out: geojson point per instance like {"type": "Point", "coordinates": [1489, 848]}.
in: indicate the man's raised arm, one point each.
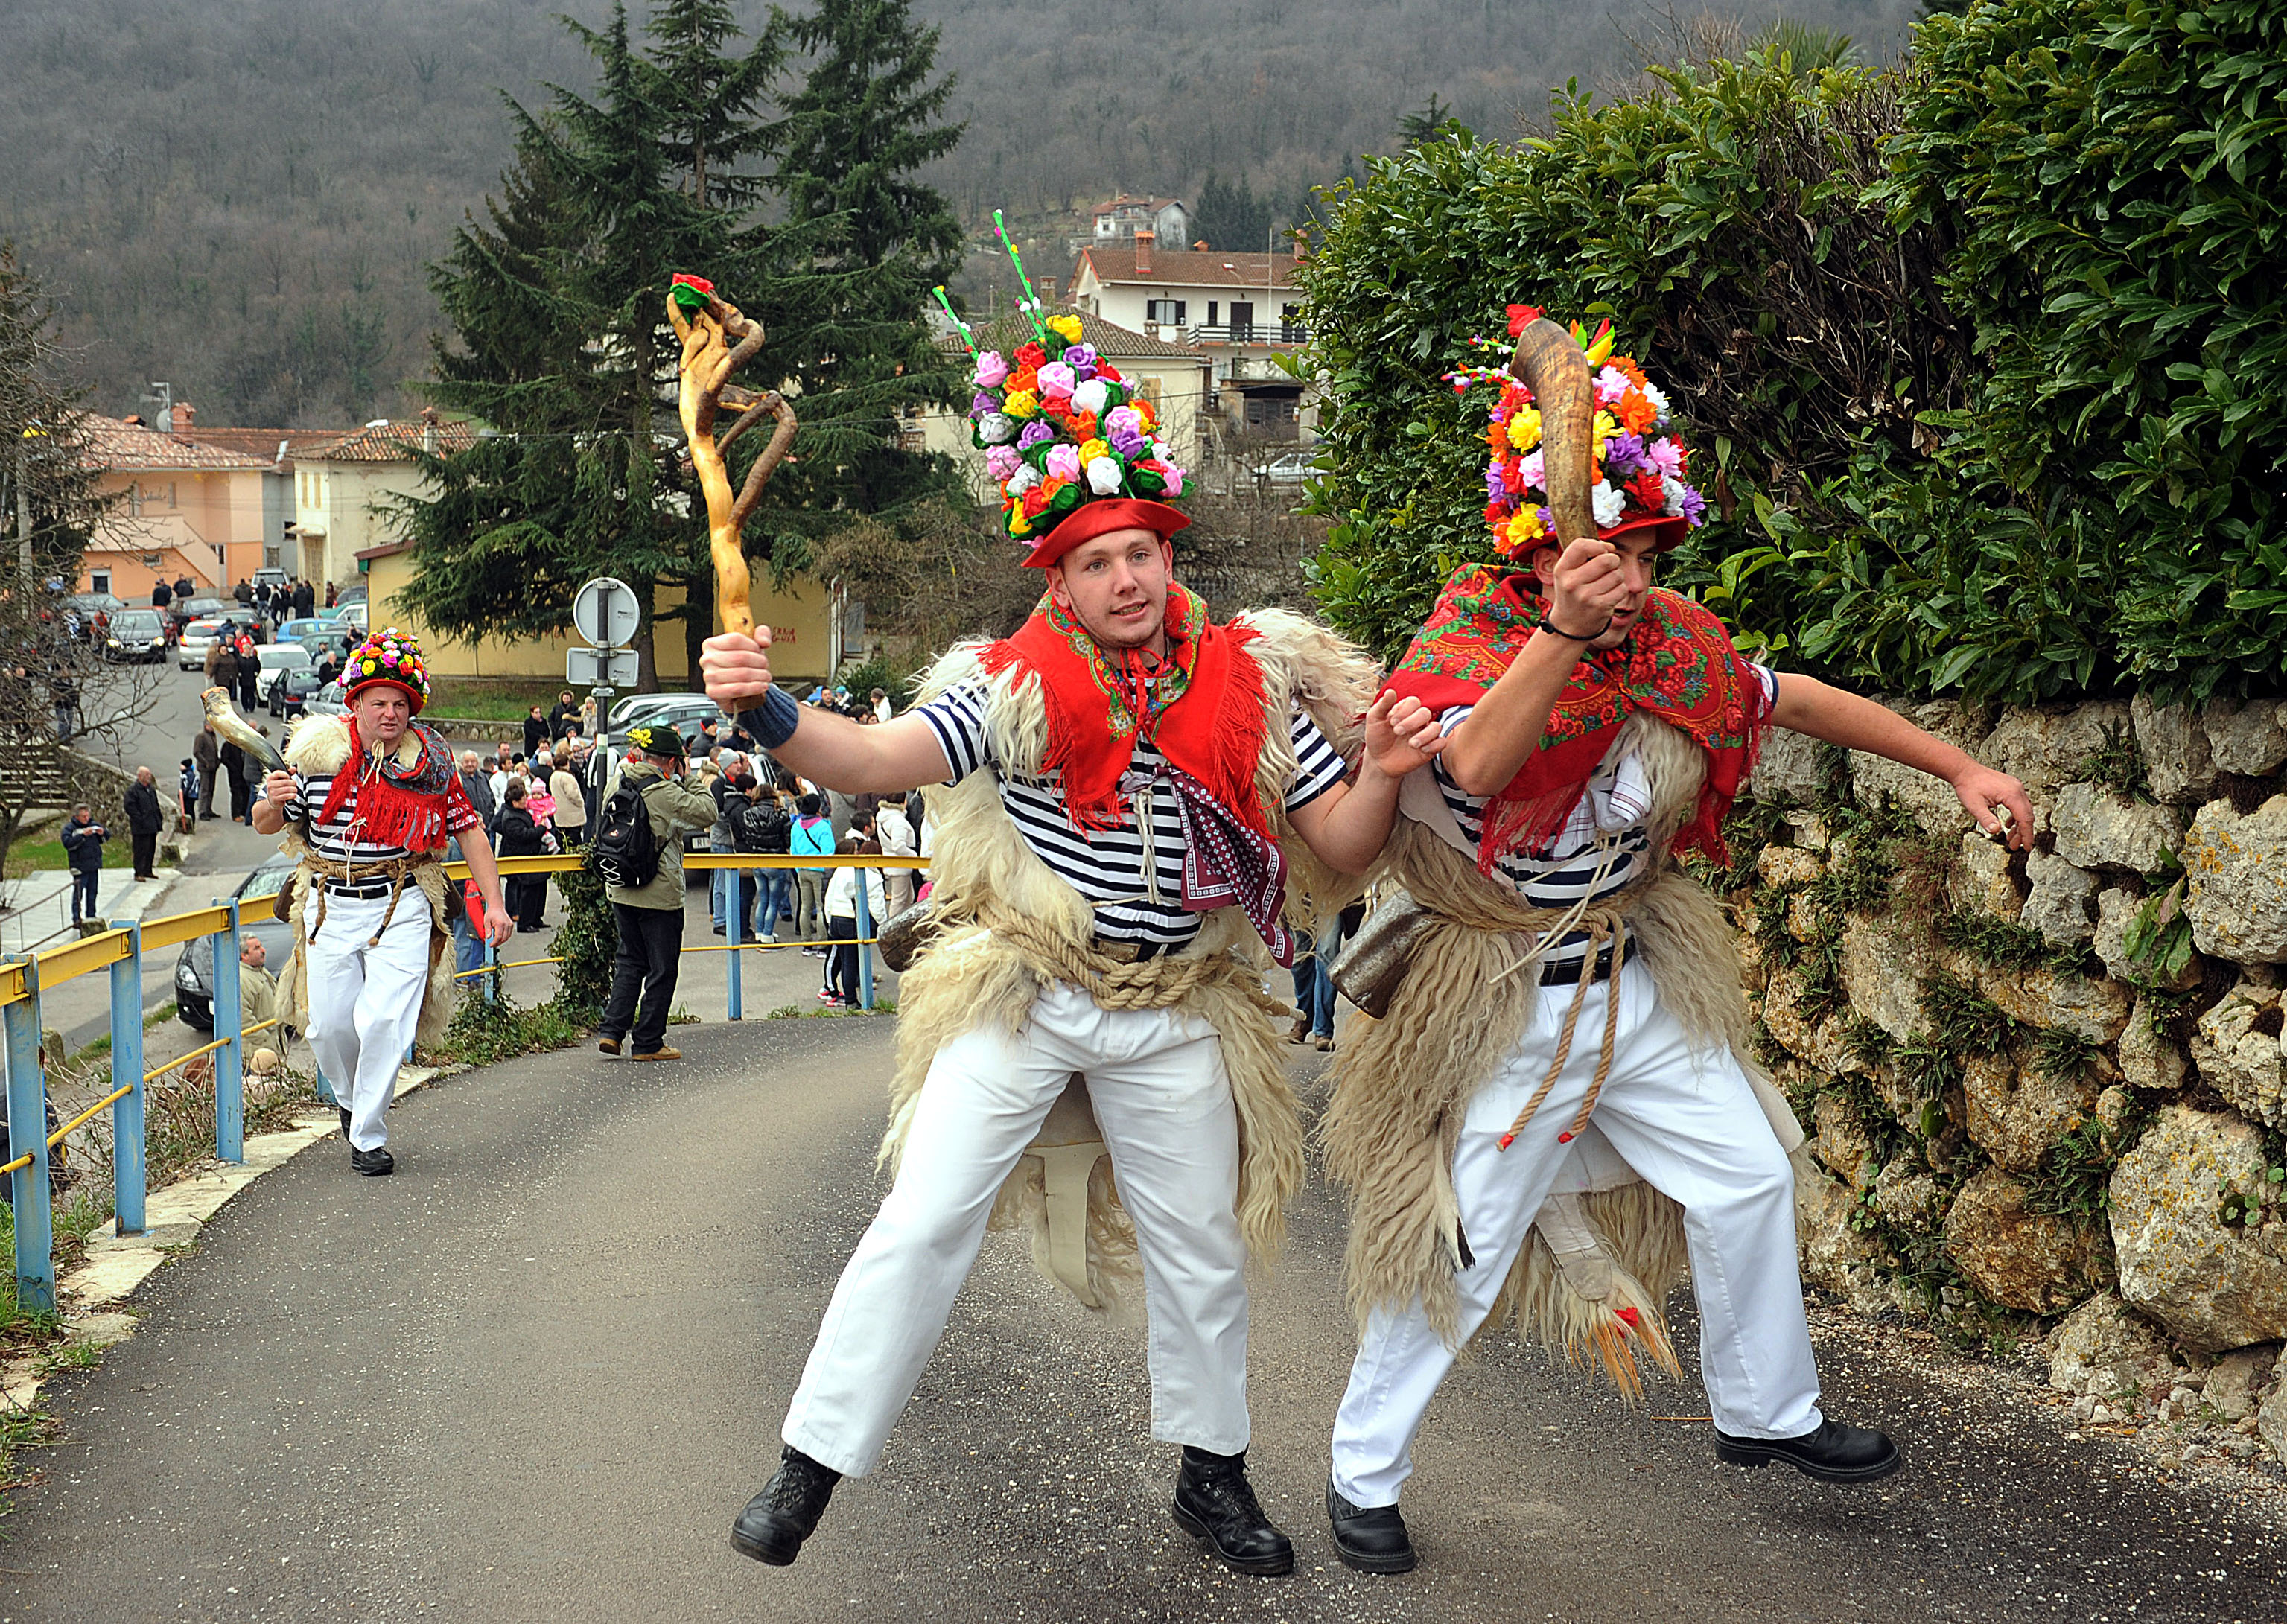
{"type": "Point", "coordinates": [823, 746]}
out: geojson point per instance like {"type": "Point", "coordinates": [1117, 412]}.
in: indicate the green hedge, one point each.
{"type": "Point", "coordinates": [1975, 357]}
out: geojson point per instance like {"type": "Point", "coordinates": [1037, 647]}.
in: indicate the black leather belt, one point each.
{"type": "Point", "coordinates": [1128, 952]}
{"type": "Point", "coordinates": [1568, 973]}
{"type": "Point", "coordinates": [366, 893]}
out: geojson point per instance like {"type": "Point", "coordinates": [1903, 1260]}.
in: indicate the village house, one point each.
{"type": "Point", "coordinates": [1117, 222]}
{"type": "Point", "coordinates": [180, 507]}
{"type": "Point", "coordinates": [346, 488]}
{"type": "Point", "coordinates": [1241, 311]}
{"type": "Point", "coordinates": [1172, 376]}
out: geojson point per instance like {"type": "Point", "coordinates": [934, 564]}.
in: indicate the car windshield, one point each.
{"type": "Point", "coordinates": [266, 881]}
{"type": "Point", "coordinates": [137, 623]}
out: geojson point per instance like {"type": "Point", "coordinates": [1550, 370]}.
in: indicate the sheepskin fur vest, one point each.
{"type": "Point", "coordinates": [319, 745]}
{"type": "Point", "coordinates": [982, 870]}
{"type": "Point", "coordinates": [1591, 1278]}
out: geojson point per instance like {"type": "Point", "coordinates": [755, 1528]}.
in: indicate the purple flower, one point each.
{"type": "Point", "coordinates": [1036, 432]}
{"type": "Point", "coordinates": [1496, 488]}
{"type": "Point", "coordinates": [1695, 508]}
{"type": "Point", "coordinates": [1081, 358]}
{"type": "Point", "coordinates": [1624, 457]}
{"type": "Point", "coordinates": [1128, 443]}
{"type": "Point", "coordinates": [1000, 461]}
{"type": "Point", "coordinates": [980, 403]}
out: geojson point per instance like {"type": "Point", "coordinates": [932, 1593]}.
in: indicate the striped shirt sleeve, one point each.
{"type": "Point", "coordinates": [1317, 767]}
{"type": "Point", "coordinates": [957, 717]}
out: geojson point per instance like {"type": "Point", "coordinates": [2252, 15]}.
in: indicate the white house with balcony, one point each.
{"type": "Point", "coordinates": [1240, 310]}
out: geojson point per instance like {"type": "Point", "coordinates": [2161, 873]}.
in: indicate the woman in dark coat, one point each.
{"type": "Point", "coordinates": [521, 836]}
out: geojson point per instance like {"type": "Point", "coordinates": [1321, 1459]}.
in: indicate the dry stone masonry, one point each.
{"type": "Point", "coordinates": [2046, 1092]}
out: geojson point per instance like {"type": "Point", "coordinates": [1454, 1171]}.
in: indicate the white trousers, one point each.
{"type": "Point", "coordinates": [1688, 1122]}
{"type": "Point", "coordinates": [1163, 1101]}
{"type": "Point", "coordinates": [366, 1002]}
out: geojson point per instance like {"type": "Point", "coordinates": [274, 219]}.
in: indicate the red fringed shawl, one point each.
{"type": "Point", "coordinates": [1678, 664]}
{"type": "Point", "coordinates": [1203, 711]}
{"type": "Point", "coordinates": [397, 806]}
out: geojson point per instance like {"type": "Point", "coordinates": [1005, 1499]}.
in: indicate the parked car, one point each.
{"type": "Point", "coordinates": [200, 635]}
{"type": "Point", "coordinates": [274, 659]}
{"type": "Point", "coordinates": [270, 574]}
{"type": "Point", "coordinates": [327, 702]}
{"type": "Point", "coordinates": [194, 968]}
{"type": "Point", "coordinates": [671, 708]}
{"type": "Point", "coordinates": [330, 639]}
{"type": "Point", "coordinates": [290, 693]}
{"type": "Point", "coordinates": [353, 593]}
{"type": "Point", "coordinates": [137, 635]}
{"type": "Point", "coordinates": [352, 615]}
{"type": "Point", "coordinates": [183, 610]}
{"type": "Point", "coordinates": [1292, 467]}
{"type": "Point", "coordinates": [88, 613]}
{"type": "Point", "coordinates": [295, 630]}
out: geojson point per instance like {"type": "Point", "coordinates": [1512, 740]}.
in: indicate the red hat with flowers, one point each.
{"type": "Point", "coordinates": [389, 656]}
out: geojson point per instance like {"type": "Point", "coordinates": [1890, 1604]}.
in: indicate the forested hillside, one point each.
{"type": "Point", "coordinates": [241, 199]}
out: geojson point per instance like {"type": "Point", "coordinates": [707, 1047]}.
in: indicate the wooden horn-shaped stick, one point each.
{"type": "Point", "coordinates": [717, 342]}
{"type": "Point", "coordinates": [1550, 362]}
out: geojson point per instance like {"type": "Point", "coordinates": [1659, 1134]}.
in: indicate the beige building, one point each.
{"type": "Point", "coordinates": [179, 508]}
{"type": "Point", "coordinates": [1172, 376]}
{"type": "Point", "coordinates": [1242, 311]}
{"type": "Point", "coordinates": [345, 488]}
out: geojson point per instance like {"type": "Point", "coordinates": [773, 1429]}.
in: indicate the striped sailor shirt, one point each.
{"type": "Point", "coordinates": [331, 840]}
{"type": "Point", "coordinates": [1609, 823]}
{"type": "Point", "coordinates": [1106, 865]}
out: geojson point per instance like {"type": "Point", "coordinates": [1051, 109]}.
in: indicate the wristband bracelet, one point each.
{"type": "Point", "coordinates": [773, 721]}
{"type": "Point", "coordinates": [1570, 637]}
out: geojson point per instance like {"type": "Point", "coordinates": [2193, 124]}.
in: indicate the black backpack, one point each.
{"type": "Point", "coordinates": [625, 853]}
{"type": "Point", "coordinates": [762, 828]}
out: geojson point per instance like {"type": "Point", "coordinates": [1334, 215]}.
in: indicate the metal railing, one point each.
{"type": "Point", "coordinates": [119, 951]}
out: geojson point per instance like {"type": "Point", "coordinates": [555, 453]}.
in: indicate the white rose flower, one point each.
{"type": "Point", "coordinates": [1090, 396]}
{"type": "Point", "coordinates": [996, 428]}
{"type": "Point", "coordinates": [1608, 503]}
{"type": "Point", "coordinates": [1673, 488]}
{"type": "Point", "coordinates": [1104, 476]}
{"type": "Point", "coordinates": [1658, 396]}
{"type": "Point", "coordinates": [1021, 481]}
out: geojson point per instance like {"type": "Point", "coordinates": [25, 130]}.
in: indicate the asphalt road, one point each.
{"type": "Point", "coordinates": [533, 1375]}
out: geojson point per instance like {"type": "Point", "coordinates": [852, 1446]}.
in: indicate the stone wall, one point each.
{"type": "Point", "coordinates": [2046, 1090]}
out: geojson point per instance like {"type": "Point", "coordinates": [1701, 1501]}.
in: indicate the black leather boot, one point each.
{"type": "Point", "coordinates": [775, 1522]}
{"type": "Point", "coordinates": [1214, 1503]}
{"type": "Point", "coordinates": [1371, 1539]}
{"type": "Point", "coordinates": [1836, 1451]}
{"type": "Point", "coordinates": [375, 1163]}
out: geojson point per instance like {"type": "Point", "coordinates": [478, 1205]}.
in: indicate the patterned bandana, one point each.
{"type": "Point", "coordinates": [1678, 664]}
{"type": "Point", "coordinates": [397, 806]}
{"type": "Point", "coordinates": [1202, 708]}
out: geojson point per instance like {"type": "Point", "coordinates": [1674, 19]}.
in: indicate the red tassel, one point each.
{"type": "Point", "coordinates": [1506, 1140]}
{"type": "Point", "coordinates": [1565, 1137]}
{"type": "Point", "coordinates": [1634, 1322]}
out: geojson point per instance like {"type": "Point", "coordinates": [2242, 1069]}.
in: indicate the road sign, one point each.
{"type": "Point", "coordinates": [595, 668]}
{"type": "Point", "coordinates": [606, 613]}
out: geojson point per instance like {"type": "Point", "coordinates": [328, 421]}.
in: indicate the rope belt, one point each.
{"type": "Point", "coordinates": [1157, 983]}
{"type": "Point", "coordinates": [351, 876]}
{"type": "Point", "coordinates": [1602, 925]}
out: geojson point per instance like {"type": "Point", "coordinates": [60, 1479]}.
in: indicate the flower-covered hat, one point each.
{"type": "Point", "coordinates": [391, 656]}
{"type": "Point", "coordinates": [1641, 459]}
{"type": "Point", "coordinates": [1060, 429]}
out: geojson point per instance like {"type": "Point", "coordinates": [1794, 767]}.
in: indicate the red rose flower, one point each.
{"type": "Point", "coordinates": [1649, 494]}
{"type": "Point", "coordinates": [1519, 315]}
{"type": "Point", "coordinates": [1035, 499]}
{"type": "Point", "coordinates": [1109, 373]}
{"type": "Point", "coordinates": [1031, 355]}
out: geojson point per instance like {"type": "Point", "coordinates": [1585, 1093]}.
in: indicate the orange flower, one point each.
{"type": "Point", "coordinates": [1626, 366]}
{"type": "Point", "coordinates": [1083, 425]}
{"type": "Point", "coordinates": [1635, 413]}
{"type": "Point", "coordinates": [1029, 378]}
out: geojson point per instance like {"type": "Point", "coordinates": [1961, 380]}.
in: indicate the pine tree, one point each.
{"type": "Point", "coordinates": [561, 347]}
{"type": "Point", "coordinates": [847, 147]}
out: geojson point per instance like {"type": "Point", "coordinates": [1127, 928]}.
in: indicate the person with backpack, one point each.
{"type": "Point", "coordinates": [764, 829]}
{"type": "Point", "coordinates": [638, 852]}
{"type": "Point", "coordinates": [812, 837]}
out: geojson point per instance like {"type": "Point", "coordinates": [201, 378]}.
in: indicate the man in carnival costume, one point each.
{"type": "Point", "coordinates": [1560, 1103]}
{"type": "Point", "coordinates": [1107, 872]}
{"type": "Point", "coordinates": [372, 797]}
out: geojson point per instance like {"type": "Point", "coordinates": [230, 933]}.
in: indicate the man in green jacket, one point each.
{"type": "Point", "coordinates": [650, 917]}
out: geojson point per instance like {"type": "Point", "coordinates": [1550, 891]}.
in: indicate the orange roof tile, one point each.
{"type": "Point", "coordinates": [390, 443]}
{"type": "Point", "coordinates": [1189, 268]}
{"type": "Point", "coordinates": [111, 443]}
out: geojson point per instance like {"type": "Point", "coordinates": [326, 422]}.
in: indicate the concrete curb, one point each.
{"type": "Point", "coordinates": [91, 1294]}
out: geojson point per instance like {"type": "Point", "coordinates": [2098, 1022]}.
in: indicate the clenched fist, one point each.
{"type": "Point", "coordinates": [1589, 586]}
{"type": "Point", "coordinates": [737, 669]}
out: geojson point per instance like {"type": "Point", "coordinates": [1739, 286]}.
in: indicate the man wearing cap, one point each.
{"type": "Point", "coordinates": [1561, 1103]}
{"type": "Point", "coordinates": [375, 799]}
{"type": "Point", "coordinates": [649, 917]}
{"type": "Point", "coordinates": [1128, 782]}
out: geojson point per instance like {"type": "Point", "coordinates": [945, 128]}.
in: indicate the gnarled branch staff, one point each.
{"type": "Point", "coordinates": [718, 340]}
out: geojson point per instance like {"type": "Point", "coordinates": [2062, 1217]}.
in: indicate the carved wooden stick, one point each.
{"type": "Point", "coordinates": [717, 342]}
{"type": "Point", "coordinates": [1550, 362]}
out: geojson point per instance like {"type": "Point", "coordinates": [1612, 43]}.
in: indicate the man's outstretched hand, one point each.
{"type": "Point", "coordinates": [737, 669]}
{"type": "Point", "coordinates": [1401, 734]}
{"type": "Point", "coordinates": [1985, 792]}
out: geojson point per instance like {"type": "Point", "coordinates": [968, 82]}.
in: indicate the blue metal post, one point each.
{"type": "Point", "coordinates": [490, 979]}
{"type": "Point", "coordinates": [127, 1170]}
{"type": "Point", "coordinates": [230, 1059]}
{"type": "Point", "coordinates": [732, 933]}
{"type": "Point", "coordinates": [325, 1090]}
{"type": "Point", "coordinates": [865, 953]}
{"type": "Point", "coordinates": [27, 1130]}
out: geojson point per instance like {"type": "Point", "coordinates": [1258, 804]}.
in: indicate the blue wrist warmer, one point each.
{"type": "Point", "coordinates": [773, 722]}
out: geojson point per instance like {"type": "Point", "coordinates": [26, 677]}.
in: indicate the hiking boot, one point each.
{"type": "Point", "coordinates": [610, 1046]}
{"type": "Point", "coordinates": [773, 1524]}
{"type": "Point", "coordinates": [375, 1163]}
{"type": "Point", "coordinates": [661, 1053]}
{"type": "Point", "coordinates": [1371, 1539]}
{"type": "Point", "coordinates": [1213, 1502]}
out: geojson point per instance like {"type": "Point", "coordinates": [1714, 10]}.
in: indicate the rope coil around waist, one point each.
{"type": "Point", "coordinates": [1157, 983]}
{"type": "Point", "coordinates": [395, 871]}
